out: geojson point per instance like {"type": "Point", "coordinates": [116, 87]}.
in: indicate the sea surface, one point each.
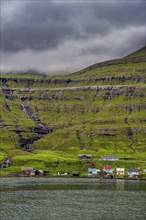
{"type": "Point", "coordinates": [72, 199]}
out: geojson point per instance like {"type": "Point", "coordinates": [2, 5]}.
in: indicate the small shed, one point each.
{"type": "Point", "coordinates": [120, 171]}
{"type": "Point", "coordinates": [84, 156]}
{"type": "Point", "coordinates": [110, 158]}
{"type": "Point", "coordinates": [133, 173]}
{"type": "Point", "coordinates": [76, 173]}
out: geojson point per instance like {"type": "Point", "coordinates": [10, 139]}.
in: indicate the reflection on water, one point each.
{"type": "Point", "coordinates": [72, 198]}
{"type": "Point", "coordinates": [120, 185]}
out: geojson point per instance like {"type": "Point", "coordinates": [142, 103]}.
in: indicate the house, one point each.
{"type": "Point", "coordinates": [110, 158]}
{"type": "Point", "coordinates": [107, 172]}
{"type": "Point", "coordinates": [133, 173]}
{"type": "Point", "coordinates": [108, 169]}
{"type": "Point", "coordinates": [120, 171]}
{"type": "Point", "coordinates": [29, 171]}
{"type": "Point", "coordinates": [92, 171]}
{"type": "Point", "coordinates": [39, 172]}
{"type": "Point", "coordinates": [84, 156]}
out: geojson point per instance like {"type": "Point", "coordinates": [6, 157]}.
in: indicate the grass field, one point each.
{"type": "Point", "coordinates": [98, 110]}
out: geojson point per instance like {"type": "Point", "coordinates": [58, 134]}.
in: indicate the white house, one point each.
{"type": "Point", "coordinates": [120, 171]}
{"type": "Point", "coordinates": [133, 173]}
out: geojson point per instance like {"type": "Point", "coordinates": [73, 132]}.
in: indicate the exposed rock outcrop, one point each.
{"type": "Point", "coordinates": [6, 163]}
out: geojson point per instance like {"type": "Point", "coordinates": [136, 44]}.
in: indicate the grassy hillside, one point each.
{"type": "Point", "coordinates": [47, 121]}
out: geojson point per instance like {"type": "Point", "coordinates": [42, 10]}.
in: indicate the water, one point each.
{"type": "Point", "coordinates": [72, 199]}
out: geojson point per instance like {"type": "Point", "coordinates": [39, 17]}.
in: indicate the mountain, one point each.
{"type": "Point", "coordinates": [138, 56]}
{"type": "Point", "coordinates": [47, 121]}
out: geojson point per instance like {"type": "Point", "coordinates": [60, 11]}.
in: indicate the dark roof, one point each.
{"type": "Point", "coordinates": [109, 157]}
{"type": "Point", "coordinates": [82, 155]}
{"type": "Point", "coordinates": [133, 170]}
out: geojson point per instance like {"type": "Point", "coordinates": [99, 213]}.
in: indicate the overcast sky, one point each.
{"type": "Point", "coordinates": [65, 36]}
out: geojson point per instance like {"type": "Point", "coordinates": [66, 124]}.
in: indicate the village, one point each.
{"type": "Point", "coordinates": [107, 171]}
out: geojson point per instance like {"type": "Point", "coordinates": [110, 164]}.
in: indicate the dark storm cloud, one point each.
{"type": "Point", "coordinates": [65, 36]}
{"type": "Point", "coordinates": [40, 26]}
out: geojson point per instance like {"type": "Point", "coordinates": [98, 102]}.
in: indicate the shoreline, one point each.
{"type": "Point", "coordinates": [72, 177]}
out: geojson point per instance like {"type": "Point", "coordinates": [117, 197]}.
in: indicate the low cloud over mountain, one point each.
{"type": "Point", "coordinates": [64, 36]}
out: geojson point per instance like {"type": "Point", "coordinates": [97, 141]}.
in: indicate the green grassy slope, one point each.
{"type": "Point", "coordinates": [99, 110]}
